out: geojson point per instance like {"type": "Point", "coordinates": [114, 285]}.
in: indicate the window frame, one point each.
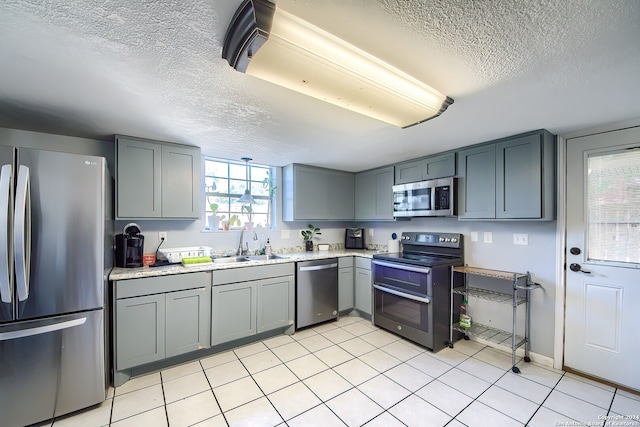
{"type": "Point", "coordinates": [267, 219]}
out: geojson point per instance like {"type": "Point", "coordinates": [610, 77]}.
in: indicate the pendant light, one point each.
{"type": "Point", "coordinates": [246, 198]}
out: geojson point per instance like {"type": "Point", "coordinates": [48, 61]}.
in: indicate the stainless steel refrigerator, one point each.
{"type": "Point", "coordinates": [53, 269]}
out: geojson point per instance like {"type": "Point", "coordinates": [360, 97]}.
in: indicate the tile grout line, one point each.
{"type": "Point", "coordinates": [213, 393]}
{"type": "Point", "coordinates": [164, 398]}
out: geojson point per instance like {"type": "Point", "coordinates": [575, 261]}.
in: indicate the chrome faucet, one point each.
{"type": "Point", "coordinates": [240, 249]}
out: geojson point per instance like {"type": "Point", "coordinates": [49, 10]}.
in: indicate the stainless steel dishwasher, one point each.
{"type": "Point", "coordinates": [316, 291]}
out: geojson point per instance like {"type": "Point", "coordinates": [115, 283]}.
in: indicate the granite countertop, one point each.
{"type": "Point", "coordinates": [119, 273]}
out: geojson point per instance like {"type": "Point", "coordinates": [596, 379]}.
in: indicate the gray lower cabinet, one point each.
{"type": "Point", "coordinates": [345, 284]}
{"type": "Point", "coordinates": [160, 317]}
{"type": "Point", "coordinates": [363, 285]}
{"type": "Point", "coordinates": [312, 193]}
{"type": "Point", "coordinates": [233, 311]}
{"type": "Point", "coordinates": [188, 318]}
{"type": "Point", "coordinates": [140, 330]}
{"type": "Point", "coordinates": [508, 179]}
{"type": "Point", "coordinates": [156, 179]}
{"type": "Point", "coordinates": [431, 167]}
{"type": "Point", "coordinates": [250, 300]}
{"type": "Point", "coordinates": [374, 194]}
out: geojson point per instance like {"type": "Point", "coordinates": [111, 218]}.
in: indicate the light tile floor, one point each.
{"type": "Point", "coordinates": [352, 373]}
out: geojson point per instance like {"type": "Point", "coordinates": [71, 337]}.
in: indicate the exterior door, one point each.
{"type": "Point", "coordinates": [603, 256]}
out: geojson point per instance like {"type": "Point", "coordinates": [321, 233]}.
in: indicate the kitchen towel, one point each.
{"type": "Point", "coordinates": [394, 246]}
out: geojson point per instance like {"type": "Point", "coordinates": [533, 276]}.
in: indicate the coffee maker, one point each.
{"type": "Point", "coordinates": [129, 247]}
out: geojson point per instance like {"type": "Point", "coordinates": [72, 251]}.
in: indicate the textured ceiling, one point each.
{"type": "Point", "coordinates": [153, 69]}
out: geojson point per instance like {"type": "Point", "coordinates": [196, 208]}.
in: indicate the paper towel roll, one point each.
{"type": "Point", "coordinates": [394, 246]}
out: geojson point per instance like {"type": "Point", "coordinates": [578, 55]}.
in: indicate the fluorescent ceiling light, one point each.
{"type": "Point", "coordinates": [276, 46]}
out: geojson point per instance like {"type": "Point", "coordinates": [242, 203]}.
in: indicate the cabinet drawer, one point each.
{"type": "Point", "coordinates": [345, 261]}
{"type": "Point", "coordinates": [363, 263]}
{"type": "Point", "coordinates": [157, 285]}
{"type": "Point", "coordinates": [244, 274]}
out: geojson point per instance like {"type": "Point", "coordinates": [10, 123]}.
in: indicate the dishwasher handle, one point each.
{"type": "Point", "coordinates": [319, 267]}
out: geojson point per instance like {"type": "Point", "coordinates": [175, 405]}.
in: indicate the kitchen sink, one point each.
{"type": "Point", "coordinates": [265, 257]}
{"type": "Point", "coordinates": [230, 259]}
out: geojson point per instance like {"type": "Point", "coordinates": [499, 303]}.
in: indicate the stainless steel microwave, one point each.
{"type": "Point", "coordinates": [435, 197]}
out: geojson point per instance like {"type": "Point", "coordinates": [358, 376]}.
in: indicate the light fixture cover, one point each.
{"type": "Point", "coordinates": [274, 45]}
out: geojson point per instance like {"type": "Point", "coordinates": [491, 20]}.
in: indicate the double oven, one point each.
{"type": "Point", "coordinates": [412, 288]}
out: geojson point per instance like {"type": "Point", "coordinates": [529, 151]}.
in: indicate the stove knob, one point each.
{"type": "Point", "coordinates": [442, 239]}
{"type": "Point", "coordinates": [454, 240]}
{"type": "Point", "coordinates": [447, 239]}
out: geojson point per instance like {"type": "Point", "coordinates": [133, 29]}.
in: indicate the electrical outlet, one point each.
{"type": "Point", "coordinates": [520, 239]}
{"type": "Point", "coordinates": [284, 234]}
{"type": "Point", "coordinates": [371, 232]}
{"type": "Point", "coordinates": [488, 237]}
{"type": "Point", "coordinates": [162, 235]}
{"type": "Point", "coordinates": [474, 236]}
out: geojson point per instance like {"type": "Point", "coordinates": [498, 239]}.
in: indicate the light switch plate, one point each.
{"type": "Point", "coordinates": [370, 232]}
{"type": "Point", "coordinates": [284, 234]}
{"type": "Point", "coordinates": [488, 237]}
{"type": "Point", "coordinates": [474, 236]}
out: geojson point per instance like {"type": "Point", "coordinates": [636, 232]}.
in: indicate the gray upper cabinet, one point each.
{"type": "Point", "coordinates": [139, 178]}
{"type": "Point", "coordinates": [431, 167]}
{"type": "Point", "coordinates": [477, 188]}
{"type": "Point", "coordinates": [511, 178]}
{"type": "Point", "coordinates": [180, 181]}
{"type": "Point", "coordinates": [312, 193]}
{"type": "Point", "coordinates": [156, 179]}
{"type": "Point", "coordinates": [374, 194]}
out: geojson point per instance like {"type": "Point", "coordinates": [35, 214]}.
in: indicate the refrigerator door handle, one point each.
{"type": "Point", "coordinates": [22, 233]}
{"type": "Point", "coordinates": [6, 264]}
{"type": "Point", "coordinates": [11, 335]}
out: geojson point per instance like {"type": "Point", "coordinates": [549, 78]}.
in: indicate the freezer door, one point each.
{"type": "Point", "coordinates": [7, 292]}
{"type": "Point", "coordinates": [65, 263]}
{"type": "Point", "coordinates": [51, 367]}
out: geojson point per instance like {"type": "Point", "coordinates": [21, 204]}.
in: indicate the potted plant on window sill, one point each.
{"type": "Point", "coordinates": [233, 220]}
{"type": "Point", "coordinates": [248, 210]}
{"type": "Point", "coordinates": [213, 220]}
{"type": "Point", "coordinates": [308, 235]}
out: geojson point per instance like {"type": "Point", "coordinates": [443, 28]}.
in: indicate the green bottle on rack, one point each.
{"type": "Point", "coordinates": [465, 319]}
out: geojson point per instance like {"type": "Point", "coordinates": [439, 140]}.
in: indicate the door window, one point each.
{"type": "Point", "coordinates": [613, 207]}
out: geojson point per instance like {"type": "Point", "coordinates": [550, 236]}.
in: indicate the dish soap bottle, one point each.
{"type": "Point", "coordinates": [465, 319]}
{"type": "Point", "coordinates": [267, 248]}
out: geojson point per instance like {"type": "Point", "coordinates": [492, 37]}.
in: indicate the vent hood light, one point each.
{"type": "Point", "coordinates": [272, 44]}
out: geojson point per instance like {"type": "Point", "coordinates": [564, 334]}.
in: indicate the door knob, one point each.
{"type": "Point", "coordinates": [577, 267]}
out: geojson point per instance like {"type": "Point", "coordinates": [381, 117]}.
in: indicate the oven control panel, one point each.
{"type": "Point", "coordinates": [432, 239]}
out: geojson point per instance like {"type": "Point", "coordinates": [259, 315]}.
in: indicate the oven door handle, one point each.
{"type": "Point", "coordinates": [425, 300]}
{"type": "Point", "coordinates": [402, 267]}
